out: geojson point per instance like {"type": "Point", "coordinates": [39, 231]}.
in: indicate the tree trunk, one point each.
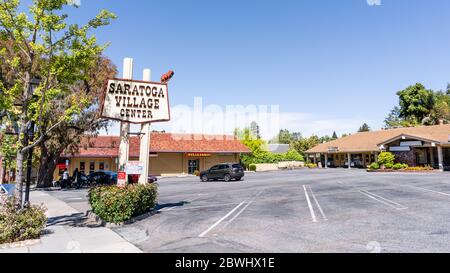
{"type": "Point", "coordinates": [19, 175]}
{"type": "Point", "coordinates": [47, 166]}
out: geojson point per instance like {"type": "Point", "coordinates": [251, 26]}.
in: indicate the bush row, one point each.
{"type": "Point", "coordinates": [20, 224]}
{"type": "Point", "coordinates": [117, 205]}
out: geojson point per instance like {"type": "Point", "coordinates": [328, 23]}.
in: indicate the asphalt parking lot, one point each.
{"type": "Point", "coordinates": [332, 210]}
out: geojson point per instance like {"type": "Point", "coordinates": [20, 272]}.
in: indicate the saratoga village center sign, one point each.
{"type": "Point", "coordinates": [136, 101]}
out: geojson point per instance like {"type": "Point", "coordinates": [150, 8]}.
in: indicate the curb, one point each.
{"type": "Point", "coordinates": [25, 243]}
{"type": "Point", "coordinates": [96, 218]}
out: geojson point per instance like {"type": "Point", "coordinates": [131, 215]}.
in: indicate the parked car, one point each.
{"type": "Point", "coordinates": [103, 177]}
{"type": "Point", "coordinates": [134, 178]}
{"type": "Point", "coordinates": [225, 171]}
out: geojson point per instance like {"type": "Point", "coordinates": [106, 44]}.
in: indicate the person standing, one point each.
{"type": "Point", "coordinates": [65, 179]}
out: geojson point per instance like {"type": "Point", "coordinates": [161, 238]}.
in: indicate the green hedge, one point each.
{"type": "Point", "coordinates": [117, 205]}
{"type": "Point", "coordinates": [252, 167]}
{"type": "Point", "coordinates": [20, 225]}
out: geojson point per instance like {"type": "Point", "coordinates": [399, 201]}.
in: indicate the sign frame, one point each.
{"type": "Point", "coordinates": [131, 166]}
{"type": "Point", "coordinates": [105, 91]}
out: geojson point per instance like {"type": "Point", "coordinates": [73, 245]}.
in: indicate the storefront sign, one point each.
{"type": "Point", "coordinates": [134, 167]}
{"type": "Point", "coordinates": [198, 155]}
{"type": "Point", "coordinates": [121, 179]}
{"type": "Point", "coordinates": [136, 101]}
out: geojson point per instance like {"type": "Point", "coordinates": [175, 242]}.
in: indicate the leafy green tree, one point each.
{"type": "Point", "coordinates": [305, 144]}
{"type": "Point", "coordinates": [43, 46]}
{"type": "Point", "coordinates": [284, 137]}
{"type": "Point", "coordinates": [8, 151]}
{"type": "Point", "coordinates": [441, 109]}
{"type": "Point", "coordinates": [67, 136]}
{"type": "Point", "coordinates": [416, 103]}
{"type": "Point", "coordinates": [364, 128]}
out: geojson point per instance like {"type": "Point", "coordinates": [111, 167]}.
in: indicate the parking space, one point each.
{"type": "Point", "coordinates": [332, 210]}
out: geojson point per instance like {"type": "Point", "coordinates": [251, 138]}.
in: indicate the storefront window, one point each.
{"type": "Point", "coordinates": [91, 167]}
{"type": "Point", "coordinates": [82, 167]}
{"type": "Point", "coordinates": [101, 166]}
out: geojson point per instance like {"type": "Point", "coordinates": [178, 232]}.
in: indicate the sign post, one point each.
{"type": "Point", "coordinates": [124, 147]}
{"type": "Point", "coordinates": [144, 151]}
{"type": "Point", "coordinates": [138, 102]}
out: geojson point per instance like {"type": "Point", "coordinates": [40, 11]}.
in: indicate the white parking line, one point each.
{"type": "Point", "coordinates": [428, 190]}
{"type": "Point", "coordinates": [317, 203]}
{"type": "Point", "coordinates": [220, 220]}
{"type": "Point", "coordinates": [311, 209]}
{"type": "Point", "coordinates": [244, 208]}
{"type": "Point", "coordinates": [383, 200]}
{"type": "Point", "coordinates": [247, 202]}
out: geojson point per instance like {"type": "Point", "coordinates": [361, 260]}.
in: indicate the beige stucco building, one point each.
{"type": "Point", "coordinates": [170, 154]}
{"type": "Point", "coordinates": [415, 146]}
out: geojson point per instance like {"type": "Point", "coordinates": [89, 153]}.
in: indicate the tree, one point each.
{"type": "Point", "coordinates": [364, 128]}
{"type": "Point", "coordinates": [43, 47]}
{"type": "Point", "coordinates": [8, 150]}
{"type": "Point", "coordinates": [335, 136]}
{"type": "Point", "coordinates": [441, 109]}
{"type": "Point", "coordinates": [67, 136]}
{"type": "Point", "coordinates": [325, 139]}
{"type": "Point", "coordinates": [284, 137]}
{"type": "Point", "coordinates": [255, 130]}
{"type": "Point", "coordinates": [305, 144]}
{"type": "Point", "coordinates": [416, 103]}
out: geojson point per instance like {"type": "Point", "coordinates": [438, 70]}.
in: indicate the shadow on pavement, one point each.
{"type": "Point", "coordinates": [171, 205]}
{"type": "Point", "coordinates": [74, 220]}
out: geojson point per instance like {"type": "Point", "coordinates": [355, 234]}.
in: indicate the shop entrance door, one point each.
{"type": "Point", "coordinates": [194, 165]}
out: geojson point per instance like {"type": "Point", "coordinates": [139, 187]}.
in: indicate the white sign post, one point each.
{"type": "Point", "coordinates": [124, 148]}
{"type": "Point", "coordinates": [144, 154]}
{"type": "Point", "coordinates": [139, 102]}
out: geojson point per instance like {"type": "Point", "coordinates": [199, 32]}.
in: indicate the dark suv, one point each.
{"type": "Point", "coordinates": [226, 171]}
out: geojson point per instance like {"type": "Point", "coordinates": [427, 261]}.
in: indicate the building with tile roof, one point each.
{"type": "Point", "coordinates": [170, 154]}
{"type": "Point", "coordinates": [416, 146]}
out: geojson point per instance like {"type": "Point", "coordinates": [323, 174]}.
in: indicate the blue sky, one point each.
{"type": "Point", "coordinates": [328, 64]}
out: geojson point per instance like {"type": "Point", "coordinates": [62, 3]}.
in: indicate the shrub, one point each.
{"type": "Point", "coordinates": [389, 165]}
{"type": "Point", "coordinates": [292, 155]}
{"type": "Point", "coordinates": [19, 225]}
{"type": "Point", "coordinates": [252, 167]}
{"type": "Point", "coordinates": [426, 168]}
{"type": "Point", "coordinates": [117, 205]}
{"type": "Point", "coordinates": [311, 165]}
{"type": "Point", "coordinates": [386, 158]}
{"type": "Point", "coordinates": [374, 166]}
{"type": "Point", "coordinates": [197, 173]}
{"type": "Point", "coordinates": [400, 166]}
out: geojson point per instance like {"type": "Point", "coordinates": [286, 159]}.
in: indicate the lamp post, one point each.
{"type": "Point", "coordinates": [30, 138]}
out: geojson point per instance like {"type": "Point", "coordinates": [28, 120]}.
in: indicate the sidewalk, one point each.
{"type": "Point", "coordinates": [68, 231]}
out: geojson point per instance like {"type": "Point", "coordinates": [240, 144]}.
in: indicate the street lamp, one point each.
{"type": "Point", "coordinates": [30, 138]}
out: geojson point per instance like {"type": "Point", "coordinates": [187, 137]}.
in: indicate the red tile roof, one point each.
{"type": "Point", "coordinates": [108, 146]}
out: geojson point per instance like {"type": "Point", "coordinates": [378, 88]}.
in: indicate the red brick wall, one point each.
{"type": "Point", "coordinates": [406, 157]}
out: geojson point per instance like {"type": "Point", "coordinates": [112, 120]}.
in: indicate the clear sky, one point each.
{"type": "Point", "coordinates": [328, 64]}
